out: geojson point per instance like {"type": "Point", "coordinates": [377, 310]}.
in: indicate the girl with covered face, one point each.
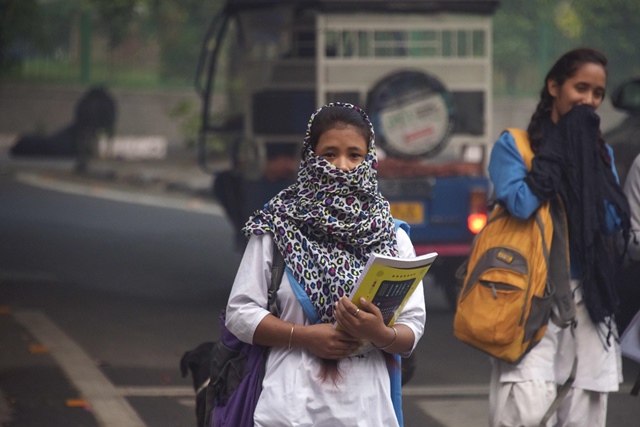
{"type": "Point", "coordinates": [573, 163]}
{"type": "Point", "coordinates": [325, 225]}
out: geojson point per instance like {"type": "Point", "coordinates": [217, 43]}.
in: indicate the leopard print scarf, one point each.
{"type": "Point", "coordinates": [328, 223]}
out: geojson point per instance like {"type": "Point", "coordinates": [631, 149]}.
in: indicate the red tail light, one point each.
{"type": "Point", "coordinates": [477, 218]}
{"type": "Point", "coordinates": [476, 222]}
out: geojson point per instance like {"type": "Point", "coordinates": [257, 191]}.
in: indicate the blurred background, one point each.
{"type": "Point", "coordinates": [146, 52]}
{"type": "Point", "coordinates": [132, 136]}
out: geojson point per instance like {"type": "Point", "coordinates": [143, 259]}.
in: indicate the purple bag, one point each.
{"type": "Point", "coordinates": [238, 370]}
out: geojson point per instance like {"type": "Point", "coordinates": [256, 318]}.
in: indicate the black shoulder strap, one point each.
{"type": "Point", "coordinates": [559, 269]}
{"type": "Point", "coordinates": [277, 271]}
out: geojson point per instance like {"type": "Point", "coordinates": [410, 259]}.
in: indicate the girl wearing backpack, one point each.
{"type": "Point", "coordinates": [571, 161]}
{"type": "Point", "coordinates": [325, 225]}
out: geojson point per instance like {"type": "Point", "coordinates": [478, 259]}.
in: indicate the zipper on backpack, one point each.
{"type": "Point", "coordinates": [493, 286]}
{"type": "Point", "coordinates": [493, 290]}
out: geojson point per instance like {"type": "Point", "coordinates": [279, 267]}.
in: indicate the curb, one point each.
{"type": "Point", "coordinates": [160, 199]}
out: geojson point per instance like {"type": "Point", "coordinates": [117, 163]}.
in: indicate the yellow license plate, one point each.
{"type": "Point", "coordinates": [412, 213]}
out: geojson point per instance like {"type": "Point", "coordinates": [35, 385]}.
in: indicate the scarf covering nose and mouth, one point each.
{"type": "Point", "coordinates": [570, 163]}
{"type": "Point", "coordinates": [328, 223]}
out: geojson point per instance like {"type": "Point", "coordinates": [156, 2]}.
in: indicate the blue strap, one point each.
{"type": "Point", "coordinates": [401, 224]}
{"type": "Point", "coordinates": [395, 372]}
{"type": "Point", "coordinates": [303, 298]}
{"type": "Point", "coordinates": [395, 376]}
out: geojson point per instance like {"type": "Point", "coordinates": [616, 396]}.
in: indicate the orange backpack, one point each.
{"type": "Point", "coordinates": [505, 302]}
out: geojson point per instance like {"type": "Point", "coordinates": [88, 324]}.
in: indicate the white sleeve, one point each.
{"type": "Point", "coordinates": [414, 313]}
{"type": "Point", "coordinates": [248, 298]}
{"type": "Point", "coordinates": [632, 191]}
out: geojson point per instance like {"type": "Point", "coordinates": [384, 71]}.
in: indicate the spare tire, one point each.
{"type": "Point", "coordinates": [412, 113]}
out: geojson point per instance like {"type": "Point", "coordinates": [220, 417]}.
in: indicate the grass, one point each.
{"type": "Point", "coordinates": [66, 72]}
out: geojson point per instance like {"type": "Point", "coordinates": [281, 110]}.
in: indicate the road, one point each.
{"type": "Point", "coordinates": [101, 296]}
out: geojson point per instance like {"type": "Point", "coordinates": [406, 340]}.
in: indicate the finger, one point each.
{"type": "Point", "coordinates": [342, 314]}
{"type": "Point", "coordinates": [345, 337]}
{"type": "Point", "coordinates": [347, 313]}
{"type": "Point", "coordinates": [366, 305]}
{"type": "Point", "coordinates": [369, 306]}
{"type": "Point", "coordinates": [348, 305]}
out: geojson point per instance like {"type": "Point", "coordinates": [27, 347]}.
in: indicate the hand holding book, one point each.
{"type": "Point", "coordinates": [387, 283]}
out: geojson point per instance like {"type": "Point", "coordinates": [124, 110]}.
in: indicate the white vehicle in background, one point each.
{"type": "Point", "coordinates": [422, 70]}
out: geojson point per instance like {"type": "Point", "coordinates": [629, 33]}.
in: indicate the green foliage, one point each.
{"type": "Point", "coordinates": [529, 35]}
{"type": "Point", "coordinates": [189, 118]}
{"type": "Point", "coordinates": [39, 39]}
{"type": "Point", "coordinates": [613, 26]}
{"type": "Point", "coordinates": [20, 31]}
{"type": "Point", "coordinates": [115, 17]}
{"type": "Point", "coordinates": [181, 27]}
{"type": "Point", "coordinates": [188, 115]}
{"type": "Point", "coordinates": [568, 20]}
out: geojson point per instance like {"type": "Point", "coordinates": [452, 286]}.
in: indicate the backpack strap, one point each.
{"type": "Point", "coordinates": [558, 261]}
{"type": "Point", "coordinates": [398, 223]}
{"type": "Point", "coordinates": [277, 270]}
{"type": "Point", "coordinates": [558, 272]}
{"type": "Point", "coordinates": [521, 138]}
{"type": "Point", "coordinates": [395, 372]}
{"type": "Point", "coordinates": [303, 298]}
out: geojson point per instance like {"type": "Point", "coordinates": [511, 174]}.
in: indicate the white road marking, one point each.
{"type": "Point", "coordinates": [444, 390]}
{"type": "Point", "coordinates": [111, 409]}
{"type": "Point", "coordinates": [187, 402]}
{"type": "Point", "coordinates": [107, 404]}
{"type": "Point", "coordinates": [191, 205]}
{"type": "Point", "coordinates": [458, 412]}
{"type": "Point", "coordinates": [153, 391]}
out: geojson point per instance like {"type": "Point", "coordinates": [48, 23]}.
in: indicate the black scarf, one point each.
{"type": "Point", "coordinates": [570, 163]}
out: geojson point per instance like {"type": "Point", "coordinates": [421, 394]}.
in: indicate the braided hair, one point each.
{"type": "Point", "coordinates": [564, 68]}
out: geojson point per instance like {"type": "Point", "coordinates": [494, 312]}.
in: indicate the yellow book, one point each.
{"type": "Point", "coordinates": [389, 282]}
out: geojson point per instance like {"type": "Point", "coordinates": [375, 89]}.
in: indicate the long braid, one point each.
{"type": "Point", "coordinates": [535, 129]}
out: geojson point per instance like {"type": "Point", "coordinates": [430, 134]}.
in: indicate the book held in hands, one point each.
{"type": "Point", "coordinates": [389, 282]}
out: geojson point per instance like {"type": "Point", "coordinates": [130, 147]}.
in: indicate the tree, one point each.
{"type": "Point", "coordinates": [518, 38]}
{"type": "Point", "coordinates": [115, 17]}
{"type": "Point", "coordinates": [20, 31]}
{"type": "Point", "coordinates": [181, 27]}
{"type": "Point", "coordinates": [531, 34]}
{"type": "Point", "coordinates": [613, 26]}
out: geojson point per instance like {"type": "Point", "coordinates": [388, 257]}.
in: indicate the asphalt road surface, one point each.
{"type": "Point", "coordinates": [101, 293]}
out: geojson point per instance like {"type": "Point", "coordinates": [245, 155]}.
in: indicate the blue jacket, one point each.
{"type": "Point", "coordinates": [507, 171]}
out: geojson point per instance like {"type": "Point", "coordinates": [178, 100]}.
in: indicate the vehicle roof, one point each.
{"type": "Point", "coordinates": [423, 6]}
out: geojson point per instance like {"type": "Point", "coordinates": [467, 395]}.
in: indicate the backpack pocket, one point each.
{"type": "Point", "coordinates": [538, 318]}
{"type": "Point", "coordinates": [494, 299]}
{"type": "Point", "coordinates": [228, 369]}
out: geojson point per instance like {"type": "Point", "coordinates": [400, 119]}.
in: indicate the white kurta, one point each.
{"type": "Point", "coordinates": [293, 394]}
{"type": "Point", "coordinates": [599, 364]}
